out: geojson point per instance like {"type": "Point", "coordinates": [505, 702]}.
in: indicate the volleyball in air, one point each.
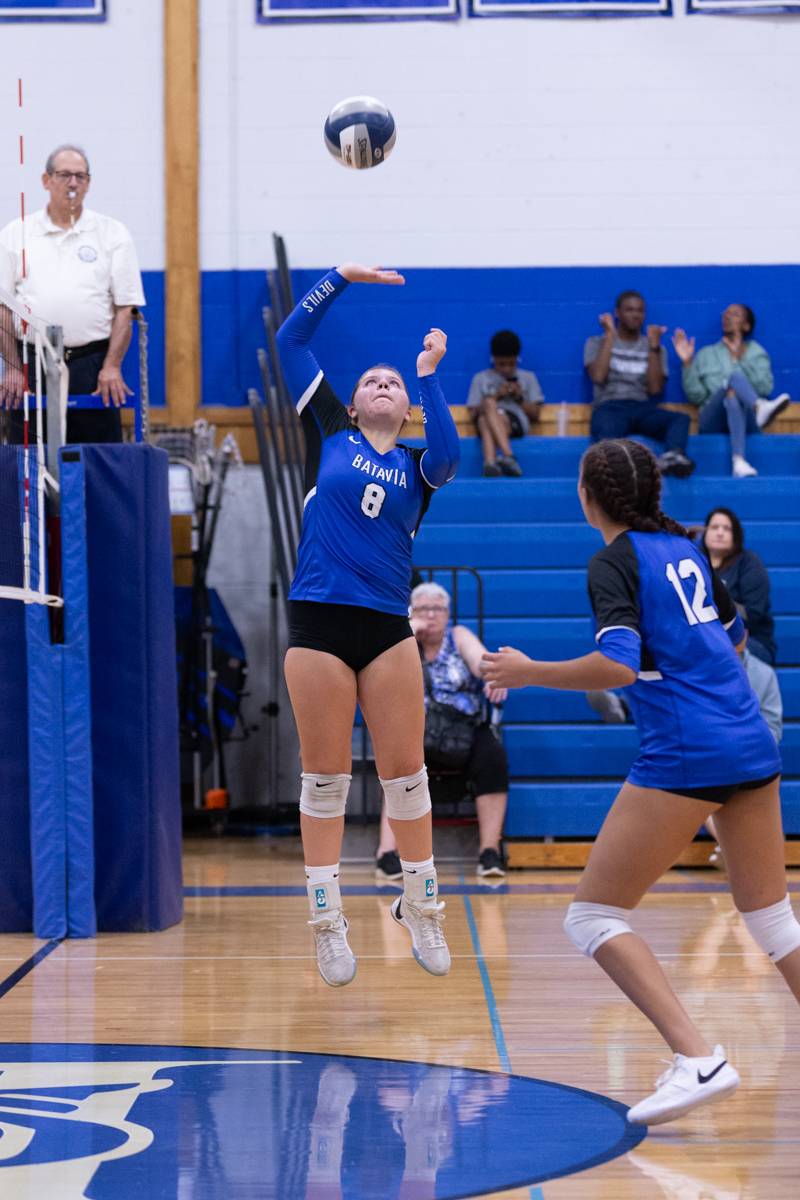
{"type": "Point", "coordinates": [360, 132]}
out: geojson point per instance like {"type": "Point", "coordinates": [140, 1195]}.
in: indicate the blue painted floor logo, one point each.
{"type": "Point", "coordinates": [159, 1122]}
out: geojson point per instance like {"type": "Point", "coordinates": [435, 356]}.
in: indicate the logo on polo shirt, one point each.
{"type": "Point", "coordinates": [87, 254]}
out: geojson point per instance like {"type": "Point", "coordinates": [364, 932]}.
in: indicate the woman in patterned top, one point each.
{"type": "Point", "coordinates": [451, 656]}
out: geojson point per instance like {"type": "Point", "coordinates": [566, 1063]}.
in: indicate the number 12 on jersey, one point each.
{"type": "Point", "coordinates": [697, 611]}
{"type": "Point", "coordinates": [372, 499]}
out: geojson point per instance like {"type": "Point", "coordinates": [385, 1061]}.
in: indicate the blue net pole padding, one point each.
{"type": "Point", "coordinates": [46, 776]}
{"type": "Point", "coordinates": [78, 791]}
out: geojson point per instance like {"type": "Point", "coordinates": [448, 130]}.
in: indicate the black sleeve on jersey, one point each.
{"type": "Point", "coordinates": [427, 491]}
{"type": "Point", "coordinates": [614, 585]}
{"type": "Point", "coordinates": [722, 599]}
{"type": "Point", "coordinates": [321, 417]}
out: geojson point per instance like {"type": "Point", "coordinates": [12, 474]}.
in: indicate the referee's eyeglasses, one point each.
{"type": "Point", "coordinates": [78, 176]}
{"type": "Point", "coordinates": [432, 610]}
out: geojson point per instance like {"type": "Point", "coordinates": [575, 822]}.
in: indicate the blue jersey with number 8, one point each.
{"type": "Point", "coordinates": [661, 610]}
{"type": "Point", "coordinates": [362, 508]}
{"type": "Point", "coordinates": [361, 512]}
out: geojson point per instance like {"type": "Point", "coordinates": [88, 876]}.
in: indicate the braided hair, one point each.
{"type": "Point", "coordinates": [622, 477]}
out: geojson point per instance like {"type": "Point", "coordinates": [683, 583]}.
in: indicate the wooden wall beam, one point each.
{"type": "Point", "coordinates": [182, 176]}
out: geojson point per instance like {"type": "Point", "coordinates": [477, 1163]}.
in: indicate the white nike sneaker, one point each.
{"type": "Point", "coordinates": [422, 913]}
{"type": "Point", "coordinates": [742, 468]}
{"type": "Point", "coordinates": [335, 959]}
{"type": "Point", "coordinates": [767, 410]}
{"type": "Point", "coordinates": [687, 1083]}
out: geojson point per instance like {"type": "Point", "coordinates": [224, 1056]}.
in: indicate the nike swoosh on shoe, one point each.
{"type": "Point", "coordinates": [705, 1078]}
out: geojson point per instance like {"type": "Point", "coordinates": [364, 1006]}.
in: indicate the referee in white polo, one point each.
{"type": "Point", "coordinates": [82, 274]}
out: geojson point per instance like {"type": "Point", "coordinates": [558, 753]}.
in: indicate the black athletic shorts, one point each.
{"type": "Point", "coordinates": [723, 791]}
{"type": "Point", "coordinates": [354, 634]}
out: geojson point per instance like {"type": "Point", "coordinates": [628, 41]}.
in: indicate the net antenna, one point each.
{"type": "Point", "coordinates": [32, 368]}
{"type": "Point", "coordinates": [31, 365]}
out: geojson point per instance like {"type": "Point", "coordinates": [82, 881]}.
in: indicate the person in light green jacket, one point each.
{"type": "Point", "coordinates": [730, 381]}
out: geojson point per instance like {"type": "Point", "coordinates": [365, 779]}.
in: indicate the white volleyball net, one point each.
{"type": "Point", "coordinates": [31, 370]}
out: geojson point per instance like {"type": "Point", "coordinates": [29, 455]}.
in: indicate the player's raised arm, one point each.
{"type": "Point", "coordinates": [440, 460]}
{"type": "Point", "coordinates": [300, 367]}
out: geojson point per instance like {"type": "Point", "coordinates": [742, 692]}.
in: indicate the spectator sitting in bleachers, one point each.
{"type": "Point", "coordinates": [503, 400]}
{"type": "Point", "coordinates": [628, 370]}
{"type": "Point", "coordinates": [730, 382]}
{"type": "Point", "coordinates": [747, 580]}
{"type": "Point", "coordinates": [745, 577]}
{"type": "Point", "coordinates": [451, 657]}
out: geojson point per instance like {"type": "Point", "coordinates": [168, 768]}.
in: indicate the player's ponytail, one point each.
{"type": "Point", "coordinates": [623, 478]}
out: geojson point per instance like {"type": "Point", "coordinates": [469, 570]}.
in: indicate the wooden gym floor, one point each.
{"type": "Point", "coordinates": [239, 973]}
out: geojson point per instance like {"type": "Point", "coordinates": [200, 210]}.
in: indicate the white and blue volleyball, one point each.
{"type": "Point", "coordinates": [360, 132]}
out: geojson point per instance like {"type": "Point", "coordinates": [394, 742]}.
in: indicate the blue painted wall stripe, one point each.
{"type": "Point", "coordinates": [553, 309]}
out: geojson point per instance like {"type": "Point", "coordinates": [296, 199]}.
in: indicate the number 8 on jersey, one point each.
{"type": "Point", "coordinates": [372, 499]}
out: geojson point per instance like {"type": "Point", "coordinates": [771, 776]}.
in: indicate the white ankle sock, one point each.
{"type": "Point", "coordinates": [417, 868]}
{"type": "Point", "coordinates": [322, 874]}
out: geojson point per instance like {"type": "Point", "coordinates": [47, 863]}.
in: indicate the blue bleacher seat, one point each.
{"type": "Point", "coordinates": [528, 538]}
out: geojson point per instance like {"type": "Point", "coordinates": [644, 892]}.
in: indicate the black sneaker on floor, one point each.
{"type": "Point", "coordinates": [491, 470]}
{"type": "Point", "coordinates": [675, 462]}
{"type": "Point", "coordinates": [510, 466]}
{"type": "Point", "coordinates": [388, 866]}
{"type": "Point", "coordinates": [491, 863]}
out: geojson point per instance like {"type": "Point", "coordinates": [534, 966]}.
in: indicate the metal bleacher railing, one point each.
{"type": "Point", "coordinates": [281, 453]}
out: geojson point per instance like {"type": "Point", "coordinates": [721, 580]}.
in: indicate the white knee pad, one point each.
{"type": "Point", "coordinates": [324, 795]}
{"type": "Point", "coordinates": [407, 797]}
{"type": "Point", "coordinates": [775, 929]}
{"type": "Point", "coordinates": [588, 926]}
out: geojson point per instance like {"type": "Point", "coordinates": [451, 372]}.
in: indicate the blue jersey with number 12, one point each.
{"type": "Point", "coordinates": [661, 610]}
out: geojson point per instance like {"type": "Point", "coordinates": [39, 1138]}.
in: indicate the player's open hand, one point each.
{"type": "Point", "coordinates": [506, 668]}
{"type": "Point", "coordinates": [355, 273]}
{"type": "Point", "coordinates": [434, 349]}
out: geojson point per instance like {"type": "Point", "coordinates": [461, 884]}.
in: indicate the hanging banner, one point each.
{"type": "Point", "coordinates": [356, 10]}
{"type": "Point", "coordinates": [53, 10]}
{"type": "Point", "coordinates": [571, 8]}
{"type": "Point", "coordinates": [742, 6]}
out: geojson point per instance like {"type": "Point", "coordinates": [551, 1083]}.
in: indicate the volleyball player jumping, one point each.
{"type": "Point", "coordinates": [667, 626]}
{"type": "Point", "coordinates": [349, 633]}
